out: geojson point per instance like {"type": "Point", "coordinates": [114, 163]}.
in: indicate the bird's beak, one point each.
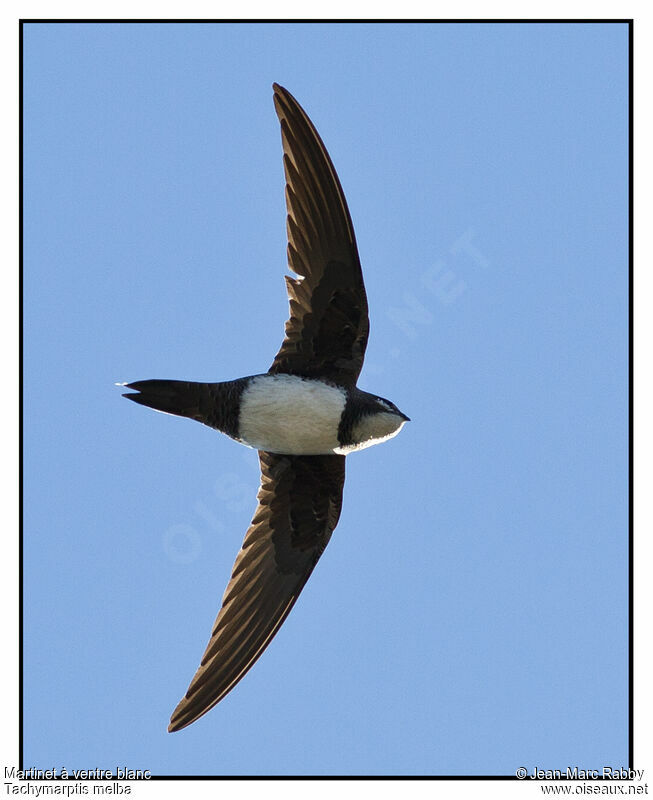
{"type": "Point", "coordinates": [404, 417]}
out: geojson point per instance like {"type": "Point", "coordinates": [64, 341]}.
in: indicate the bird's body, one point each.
{"type": "Point", "coordinates": [285, 414]}
{"type": "Point", "coordinates": [303, 416]}
{"type": "Point", "coordinates": [290, 414]}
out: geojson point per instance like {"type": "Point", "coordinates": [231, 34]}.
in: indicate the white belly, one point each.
{"type": "Point", "coordinates": [292, 415]}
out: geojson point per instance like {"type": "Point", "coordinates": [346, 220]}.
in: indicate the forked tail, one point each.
{"type": "Point", "coordinates": [214, 404]}
{"type": "Point", "coordinates": [183, 398]}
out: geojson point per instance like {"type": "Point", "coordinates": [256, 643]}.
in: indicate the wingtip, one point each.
{"type": "Point", "coordinates": [278, 96]}
{"type": "Point", "coordinates": [175, 724]}
{"type": "Point", "coordinates": [179, 720]}
{"type": "Point", "coordinates": [281, 94]}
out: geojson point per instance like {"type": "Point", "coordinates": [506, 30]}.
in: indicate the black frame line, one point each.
{"type": "Point", "coordinates": [442, 21]}
{"type": "Point", "coordinates": [20, 394]}
{"type": "Point", "coordinates": [631, 605]}
{"type": "Point", "coordinates": [625, 21]}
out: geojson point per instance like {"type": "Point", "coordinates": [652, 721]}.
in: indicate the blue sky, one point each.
{"type": "Point", "coordinates": [469, 615]}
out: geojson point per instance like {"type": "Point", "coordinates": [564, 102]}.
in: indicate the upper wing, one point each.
{"type": "Point", "coordinates": [326, 334]}
{"type": "Point", "coordinates": [299, 504]}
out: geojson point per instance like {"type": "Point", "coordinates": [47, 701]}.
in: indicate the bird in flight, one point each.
{"type": "Point", "coordinates": [304, 415]}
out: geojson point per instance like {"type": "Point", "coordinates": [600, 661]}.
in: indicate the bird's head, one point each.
{"type": "Point", "coordinates": [379, 419]}
{"type": "Point", "coordinates": [382, 406]}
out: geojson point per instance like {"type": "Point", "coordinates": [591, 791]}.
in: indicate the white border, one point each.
{"type": "Point", "coordinates": [9, 15]}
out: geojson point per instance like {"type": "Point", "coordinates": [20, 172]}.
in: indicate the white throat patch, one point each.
{"type": "Point", "coordinates": [373, 429]}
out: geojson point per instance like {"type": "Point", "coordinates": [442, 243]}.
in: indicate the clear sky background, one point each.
{"type": "Point", "coordinates": [470, 613]}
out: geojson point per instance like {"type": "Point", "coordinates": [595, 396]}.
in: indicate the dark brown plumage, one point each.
{"type": "Point", "coordinates": [300, 497]}
{"type": "Point", "coordinates": [299, 503]}
{"type": "Point", "coordinates": [327, 332]}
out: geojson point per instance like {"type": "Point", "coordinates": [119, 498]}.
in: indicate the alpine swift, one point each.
{"type": "Point", "coordinates": [304, 415]}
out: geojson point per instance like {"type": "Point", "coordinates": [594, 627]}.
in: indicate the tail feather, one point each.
{"type": "Point", "coordinates": [182, 398]}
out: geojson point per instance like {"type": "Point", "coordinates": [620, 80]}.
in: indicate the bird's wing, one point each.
{"type": "Point", "coordinates": [327, 332]}
{"type": "Point", "coordinates": [299, 503]}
